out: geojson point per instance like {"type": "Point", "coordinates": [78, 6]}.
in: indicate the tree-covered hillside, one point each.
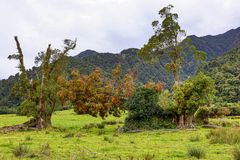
{"type": "Point", "coordinates": [88, 60]}
{"type": "Point", "coordinates": [225, 70]}
{"type": "Point", "coordinates": [127, 58]}
{"type": "Point", "coordinates": [217, 45]}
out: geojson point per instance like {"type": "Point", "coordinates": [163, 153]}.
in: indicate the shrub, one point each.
{"type": "Point", "coordinates": [7, 110]}
{"type": "Point", "coordinates": [234, 109]}
{"type": "Point", "coordinates": [218, 111]}
{"type": "Point", "coordinates": [196, 152]}
{"type": "Point", "coordinates": [143, 104]}
{"type": "Point", "coordinates": [225, 122]}
{"type": "Point", "coordinates": [20, 150]}
{"type": "Point", "coordinates": [224, 136]}
{"type": "Point", "coordinates": [144, 111]}
{"type": "Point", "coordinates": [236, 153]}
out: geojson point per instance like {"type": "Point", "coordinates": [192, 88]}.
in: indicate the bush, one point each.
{"type": "Point", "coordinates": [236, 153]}
{"type": "Point", "coordinates": [7, 110]}
{"type": "Point", "coordinates": [20, 150]}
{"type": "Point", "coordinates": [225, 122]}
{"type": "Point", "coordinates": [234, 109]}
{"type": "Point", "coordinates": [144, 111]}
{"type": "Point", "coordinates": [218, 112]}
{"type": "Point", "coordinates": [143, 104]}
{"type": "Point", "coordinates": [224, 136]}
{"type": "Point", "coordinates": [196, 152]}
{"type": "Point", "coordinates": [152, 123]}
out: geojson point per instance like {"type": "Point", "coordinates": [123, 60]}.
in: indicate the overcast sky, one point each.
{"type": "Point", "coordinates": [101, 25]}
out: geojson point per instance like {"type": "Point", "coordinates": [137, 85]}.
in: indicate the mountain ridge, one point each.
{"type": "Point", "coordinates": [88, 60]}
{"type": "Point", "coordinates": [217, 45]}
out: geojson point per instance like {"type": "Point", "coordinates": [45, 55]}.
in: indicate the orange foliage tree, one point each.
{"type": "Point", "coordinates": [94, 94]}
{"type": "Point", "coordinates": [158, 86]}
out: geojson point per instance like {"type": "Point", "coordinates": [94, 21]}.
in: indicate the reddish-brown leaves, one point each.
{"type": "Point", "coordinates": [96, 95]}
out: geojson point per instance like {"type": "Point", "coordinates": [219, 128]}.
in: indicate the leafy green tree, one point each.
{"type": "Point", "coordinates": [169, 39]}
{"type": "Point", "coordinates": [190, 95]}
{"type": "Point", "coordinates": [39, 96]}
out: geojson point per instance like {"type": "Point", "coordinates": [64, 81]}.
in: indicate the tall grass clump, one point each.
{"type": "Point", "coordinates": [45, 149]}
{"type": "Point", "coordinates": [28, 138]}
{"type": "Point", "coordinates": [196, 152]}
{"type": "Point", "coordinates": [195, 138]}
{"type": "Point", "coordinates": [20, 151]}
{"type": "Point", "coordinates": [224, 136]}
{"type": "Point", "coordinates": [148, 157]}
{"type": "Point", "coordinates": [236, 153]}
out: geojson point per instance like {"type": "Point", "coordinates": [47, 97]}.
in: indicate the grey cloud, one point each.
{"type": "Point", "coordinates": [102, 25]}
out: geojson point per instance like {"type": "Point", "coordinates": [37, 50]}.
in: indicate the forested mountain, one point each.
{"type": "Point", "coordinates": [88, 60]}
{"type": "Point", "coordinates": [217, 45]}
{"type": "Point", "coordinates": [127, 58]}
{"type": "Point", "coordinates": [225, 70]}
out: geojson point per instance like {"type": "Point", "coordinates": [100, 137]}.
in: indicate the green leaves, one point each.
{"type": "Point", "coordinates": [194, 92]}
{"type": "Point", "coordinates": [169, 39]}
{"type": "Point", "coordinates": [225, 71]}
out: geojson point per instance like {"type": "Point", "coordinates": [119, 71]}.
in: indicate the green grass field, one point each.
{"type": "Point", "coordinates": [68, 140]}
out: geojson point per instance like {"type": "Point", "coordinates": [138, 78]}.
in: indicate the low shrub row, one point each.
{"type": "Point", "coordinates": [7, 110]}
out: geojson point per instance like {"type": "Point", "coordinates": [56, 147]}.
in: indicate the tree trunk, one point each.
{"type": "Point", "coordinates": [43, 121]}
{"type": "Point", "coordinates": [175, 119]}
{"type": "Point", "coordinates": [205, 120]}
{"type": "Point", "coordinates": [190, 121]}
{"type": "Point", "coordinates": [181, 122]}
{"type": "Point", "coordinates": [176, 76]}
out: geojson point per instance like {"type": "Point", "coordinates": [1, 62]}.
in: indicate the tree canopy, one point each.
{"type": "Point", "coordinates": [169, 41]}
{"type": "Point", "coordinates": [39, 98]}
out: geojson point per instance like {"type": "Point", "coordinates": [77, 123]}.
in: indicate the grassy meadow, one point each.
{"type": "Point", "coordinates": [73, 138]}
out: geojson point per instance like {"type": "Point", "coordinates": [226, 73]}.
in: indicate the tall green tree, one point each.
{"type": "Point", "coordinates": [193, 93]}
{"type": "Point", "coordinates": [169, 39]}
{"type": "Point", "coordinates": [39, 96]}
